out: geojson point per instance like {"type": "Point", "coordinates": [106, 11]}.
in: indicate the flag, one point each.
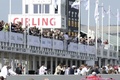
{"type": "Point", "coordinates": [77, 2]}
{"type": "Point", "coordinates": [86, 5]}
{"type": "Point", "coordinates": [96, 14]}
{"type": "Point", "coordinates": [55, 4]}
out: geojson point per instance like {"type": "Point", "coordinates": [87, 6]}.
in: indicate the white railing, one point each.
{"type": "Point", "coordinates": [17, 42]}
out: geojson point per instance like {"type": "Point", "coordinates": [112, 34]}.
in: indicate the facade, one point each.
{"type": "Point", "coordinates": [32, 51]}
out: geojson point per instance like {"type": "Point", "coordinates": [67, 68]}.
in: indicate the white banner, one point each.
{"type": "Point", "coordinates": [16, 38]}
{"type": "Point", "coordinates": [58, 44]}
{"type": "Point", "coordinates": [82, 48]}
{"type": "Point", "coordinates": [3, 36]}
{"type": "Point", "coordinates": [33, 41]}
{"type": "Point", "coordinates": [73, 47]}
{"type": "Point", "coordinates": [46, 43]}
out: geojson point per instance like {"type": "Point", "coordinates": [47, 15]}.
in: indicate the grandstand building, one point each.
{"type": "Point", "coordinates": [32, 51]}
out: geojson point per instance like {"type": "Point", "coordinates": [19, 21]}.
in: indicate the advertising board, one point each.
{"type": "Point", "coordinates": [44, 21]}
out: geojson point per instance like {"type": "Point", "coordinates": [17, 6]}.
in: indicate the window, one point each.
{"type": "Point", "coordinates": [47, 8]}
{"type": "Point", "coordinates": [69, 23]}
{"type": "Point", "coordinates": [26, 8]}
{"type": "Point", "coordinates": [35, 8]}
{"type": "Point", "coordinates": [41, 8]}
{"type": "Point", "coordinates": [75, 23]}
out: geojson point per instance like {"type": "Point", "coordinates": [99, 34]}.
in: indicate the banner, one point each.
{"type": "Point", "coordinates": [58, 44]}
{"type": "Point", "coordinates": [81, 48]}
{"type": "Point", "coordinates": [33, 41]}
{"type": "Point", "coordinates": [46, 42]}
{"type": "Point", "coordinates": [73, 47]}
{"type": "Point", "coordinates": [16, 38]}
{"type": "Point", "coordinates": [3, 36]}
{"type": "Point", "coordinates": [44, 21]}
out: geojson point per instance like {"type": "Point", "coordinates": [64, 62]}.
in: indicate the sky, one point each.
{"type": "Point", "coordinates": [17, 9]}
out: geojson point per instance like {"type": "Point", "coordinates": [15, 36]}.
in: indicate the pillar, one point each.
{"type": "Point", "coordinates": [76, 63]}
{"type": "Point", "coordinates": [51, 66]}
{"type": "Point", "coordinates": [46, 61]}
{"type": "Point", "coordinates": [106, 61]}
{"type": "Point", "coordinates": [40, 61]}
{"type": "Point", "coordinates": [71, 62]}
{"type": "Point", "coordinates": [20, 58]}
{"type": "Point", "coordinates": [56, 62]}
{"type": "Point", "coordinates": [10, 60]}
{"type": "Point", "coordinates": [66, 62]}
{"type": "Point", "coordinates": [34, 63]}
{"type": "Point", "coordinates": [99, 62]}
{"type": "Point", "coordinates": [2, 59]}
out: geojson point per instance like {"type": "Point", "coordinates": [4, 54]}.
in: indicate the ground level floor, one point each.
{"type": "Point", "coordinates": [32, 62]}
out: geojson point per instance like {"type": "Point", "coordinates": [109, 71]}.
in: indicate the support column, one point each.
{"type": "Point", "coordinates": [71, 63]}
{"type": "Point", "coordinates": [40, 61]}
{"type": "Point", "coordinates": [61, 60]}
{"type": "Point", "coordinates": [46, 61]}
{"type": "Point", "coordinates": [106, 61]}
{"type": "Point", "coordinates": [99, 62]}
{"type": "Point", "coordinates": [13, 61]}
{"type": "Point", "coordinates": [56, 62]}
{"type": "Point", "coordinates": [80, 62]}
{"type": "Point", "coordinates": [51, 65]}
{"type": "Point", "coordinates": [76, 63]}
{"type": "Point", "coordinates": [111, 62]}
{"type": "Point", "coordinates": [34, 65]}
{"type": "Point", "coordinates": [115, 62]}
{"type": "Point", "coordinates": [20, 59]}
{"type": "Point", "coordinates": [10, 60]}
{"type": "Point", "coordinates": [2, 59]}
{"type": "Point", "coordinates": [66, 62]}
{"type": "Point", "coordinates": [27, 63]}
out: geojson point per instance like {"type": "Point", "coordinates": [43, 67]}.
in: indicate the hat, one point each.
{"type": "Point", "coordinates": [73, 66]}
{"type": "Point", "coordinates": [93, 73]}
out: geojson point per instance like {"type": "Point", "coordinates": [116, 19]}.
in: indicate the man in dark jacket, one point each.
{"type": "Point", "coordinates": [71, 71]}
{"type": "Point", "coordinates": [19, 69]}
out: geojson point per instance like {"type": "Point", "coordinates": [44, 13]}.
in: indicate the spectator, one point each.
{"type": "Point", "coordinates": [19, 69]}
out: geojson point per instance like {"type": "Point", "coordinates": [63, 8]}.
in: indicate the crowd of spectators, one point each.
{"type": "Point", "coordinates": [47, 33]}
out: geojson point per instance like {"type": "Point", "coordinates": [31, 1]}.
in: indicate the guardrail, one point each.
{"type": "Point", "coordinates": [61, 77]}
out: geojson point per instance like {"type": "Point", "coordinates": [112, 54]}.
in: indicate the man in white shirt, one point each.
{"type": "Point", "coordinates": [42, 70]}
{"type": "Point", "coordinates": [84, 70]}
{"type": "Point", "coordinates": [6, 71]}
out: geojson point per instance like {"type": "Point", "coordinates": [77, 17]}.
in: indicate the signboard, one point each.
{"type": "Point", "coordinates": [81, 48]}
{"type": "Point", "coordinates": [40, 21]}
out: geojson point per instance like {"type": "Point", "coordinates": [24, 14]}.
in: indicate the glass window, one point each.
{"type": "Point", "coordinates": [26, 8]}
{"type": "Point", "coordinates": [35, 8]}
{"type": "Point", "coordinates": [47, 9]}
{"type": "Point", "coordinates": [72, 23]}
{"type": "Point", "coordinates": [41, 8]}
{"type": "Point", "coordinates": [69, 23]}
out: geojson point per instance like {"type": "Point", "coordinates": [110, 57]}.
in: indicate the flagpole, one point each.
{"type": "Point", "coordinates": [41, 29]}
{"type": "Point", "coordinates": [109, 31]}
{"type": "Point", "coordinates": [88, 20]}
{"type": "Point", "coordinates": [79, 24]}
{"type": "Point", "coordinates": [118, 31]}
{"type": "Point", "coordinates": [96, 15]}
{"type": "Point", "coordinates": [10, 22]}
{"type": "Point", "coordinates": [102, 27]}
